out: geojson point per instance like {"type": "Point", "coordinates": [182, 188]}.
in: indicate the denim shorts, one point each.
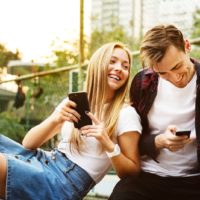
{"type": "Point", "coordinates": [42, 175]}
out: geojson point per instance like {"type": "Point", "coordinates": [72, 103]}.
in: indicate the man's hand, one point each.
{"type": "Point", "coordinates": [170, 141]}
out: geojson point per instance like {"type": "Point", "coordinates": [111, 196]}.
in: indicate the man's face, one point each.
{"type": "Point", "coordinates": [175, 67]}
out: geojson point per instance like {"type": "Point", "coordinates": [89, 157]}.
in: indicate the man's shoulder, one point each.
{"type": "Point", "coordinates": [148, 72]}
{"type": "Point", "coordinates": [144, 77]}
{"type": "Point", "coordinates": [197, 66]}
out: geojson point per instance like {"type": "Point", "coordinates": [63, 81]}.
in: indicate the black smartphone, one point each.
{"type": "Point", "coordinates": [186, 132]}
{"type": "Point", "coordinates": [80, 98]}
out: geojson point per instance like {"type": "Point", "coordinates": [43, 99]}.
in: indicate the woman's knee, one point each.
{"type": "Point", "coordinates": [3, 171]}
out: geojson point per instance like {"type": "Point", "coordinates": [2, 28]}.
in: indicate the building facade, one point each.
{"type": "Point", "coordinates": [137, 16]}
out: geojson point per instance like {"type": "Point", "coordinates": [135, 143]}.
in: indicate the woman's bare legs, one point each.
{"type": "Point", "coordinates": [3, 171]}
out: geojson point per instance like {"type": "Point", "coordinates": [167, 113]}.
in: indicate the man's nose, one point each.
{"type": "Point", "coordinates": [174, 76]}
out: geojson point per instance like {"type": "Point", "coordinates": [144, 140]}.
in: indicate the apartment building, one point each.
{"type": "Point", "coordinates": [137, 16]}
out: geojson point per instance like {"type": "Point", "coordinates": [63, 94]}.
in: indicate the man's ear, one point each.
{"type": "Point", "coordinates": [187, 46]}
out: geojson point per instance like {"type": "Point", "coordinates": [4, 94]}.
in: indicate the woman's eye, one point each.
{"type": "Point", "coordinates": [112, 61]}
{"type": "Point", "coordinates": [126, 67]}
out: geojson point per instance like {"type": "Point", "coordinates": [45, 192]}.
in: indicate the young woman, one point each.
{"type": "Point", "coordinates": [83, 156]}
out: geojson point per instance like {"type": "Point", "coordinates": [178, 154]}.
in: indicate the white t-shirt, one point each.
{"type": "Point", "coordinates": [92, 159]}
{"type": "Point", "coordinates": [173, 106]}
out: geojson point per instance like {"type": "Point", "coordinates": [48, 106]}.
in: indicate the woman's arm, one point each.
{"type": "Point", "coordinates": [47, 129]}
{"type": "Point", "coordinates": [41, 133]}
{"type": "Point", "coordinates": [128, 161]}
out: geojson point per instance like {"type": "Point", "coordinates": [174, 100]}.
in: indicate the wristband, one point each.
{"type": "Point", "coordinates": [116, 151]}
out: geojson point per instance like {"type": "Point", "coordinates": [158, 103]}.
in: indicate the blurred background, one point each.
{"type": "Point", "coordinates": [45, 46]}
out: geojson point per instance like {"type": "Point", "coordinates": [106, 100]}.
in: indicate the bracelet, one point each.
{"type": "Point", "coordinates": [116, 151]}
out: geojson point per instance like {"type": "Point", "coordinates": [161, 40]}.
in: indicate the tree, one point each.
{"type": "Point", "coordinates": [65, 58]}
{"type": "Point", "coordinates": [6, 56]}
{"type": "Point", "coordinates": [196, 24]}
{"type": "Point", "coordinates": [116, 33]}
{"type": "Point", "coordinates": [196, 33]}
{"type": "Point", "coordinates": [11, 127]}
{"type": "Point", "coordinates": [66, 54]}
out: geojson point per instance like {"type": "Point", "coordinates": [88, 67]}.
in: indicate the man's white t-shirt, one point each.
{"type": "Point", "coordinates": [173, 106]}
{"type": "Point", "coordinates": [91, 158]}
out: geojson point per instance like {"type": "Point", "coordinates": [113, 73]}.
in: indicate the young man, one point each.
{"type": "Point", "coordinates": [167, 97]}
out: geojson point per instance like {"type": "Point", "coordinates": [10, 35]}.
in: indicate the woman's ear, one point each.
{"type": "Point", "coordinates": [187, 46]}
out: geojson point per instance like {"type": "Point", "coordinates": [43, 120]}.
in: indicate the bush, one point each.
{"type": "Point", "coordinates": [10, 126]}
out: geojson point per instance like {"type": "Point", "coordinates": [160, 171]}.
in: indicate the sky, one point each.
{"type": "Point", "coordinates": [32, 25]}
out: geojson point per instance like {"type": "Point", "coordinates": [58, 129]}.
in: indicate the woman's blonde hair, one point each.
{"type": "Point", "coordinates": [96, 88]}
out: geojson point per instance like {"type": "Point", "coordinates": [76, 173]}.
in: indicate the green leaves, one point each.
{"type": "Point", "coordinates": [10, 126]}
{"type": "Point", "coordinates": [6, 56]}
{"type": "Point", "coordinates": [196, 24]}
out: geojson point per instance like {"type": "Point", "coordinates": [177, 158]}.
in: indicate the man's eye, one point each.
{"type": "Point", "coordinates": [176, 68]}
{"type": "Point", "coordinates": [162, 73]}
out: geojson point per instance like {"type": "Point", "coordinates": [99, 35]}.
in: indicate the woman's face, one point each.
{"type": "Point", "coordinates": [118, 70]}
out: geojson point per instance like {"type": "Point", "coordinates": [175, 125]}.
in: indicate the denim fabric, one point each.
{"type": "Point", "coordinates": [42, 175]}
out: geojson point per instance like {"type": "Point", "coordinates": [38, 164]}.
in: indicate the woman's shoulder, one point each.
{"type": "Point", "coordinates": [128, 120]}
{"type": "Point", "coordinates": [127, 108]}
{"type": "Point", "coordinates": [128, 111]}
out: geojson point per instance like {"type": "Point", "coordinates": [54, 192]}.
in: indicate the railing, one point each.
{"type": "Point", "coordinates": [194, 41]}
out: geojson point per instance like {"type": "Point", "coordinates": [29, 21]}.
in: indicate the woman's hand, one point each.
{"type": "Point", "coordinates": [98, 131]}
{"type": "Point", "coordinates": [170, 141]}
{"type": "Point", "coordinates": [65, 111]}
{"type": "Point", "coordinates": [127, 162]}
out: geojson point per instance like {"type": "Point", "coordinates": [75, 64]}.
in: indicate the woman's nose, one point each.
{"type": "Point", "coordinates": [118, 66]}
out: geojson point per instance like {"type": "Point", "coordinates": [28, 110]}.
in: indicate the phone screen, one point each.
{"type": "Point", "coordinates": [186, 132]}
{"type": "Point", "coordinates": [80, 98]}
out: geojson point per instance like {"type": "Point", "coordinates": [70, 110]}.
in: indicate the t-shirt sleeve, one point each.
{"type": "Point", "coordinates": [128, 121]}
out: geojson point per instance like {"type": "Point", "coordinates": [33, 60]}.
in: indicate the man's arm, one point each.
{"type": "Point", "coordinates": [147, 146]}
{"type": "Point", "coordinates": [142, 94]}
